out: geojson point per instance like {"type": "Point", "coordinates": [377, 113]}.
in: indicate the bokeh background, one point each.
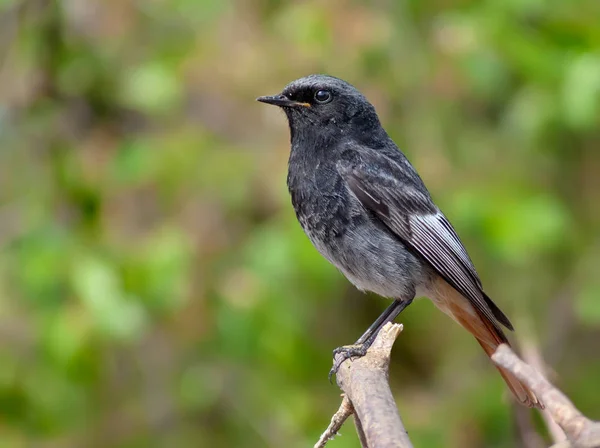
{"type": "Point", "coordinates": [155, 287]}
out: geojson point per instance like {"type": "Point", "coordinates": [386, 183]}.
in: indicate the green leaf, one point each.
{"type": "Point", "coordinates": [587, 303]}
{"type": "Point", "coordinates": [66, 334]}
{"type": "Point", "coordinates": [581, 92]}
{"type": "Point", "coordinates": [152, 88]}
{"type": "Point", "coordinates": [97, 285]}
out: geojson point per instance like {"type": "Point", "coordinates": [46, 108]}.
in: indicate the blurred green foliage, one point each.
{"type": "Point", "coordinates": [155, 289]}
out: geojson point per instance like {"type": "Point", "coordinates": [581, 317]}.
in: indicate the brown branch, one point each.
{"type": "Point", "coordinates": [581, 431]}
{"type": "Point", "coordinates": [338, 419]}
{"type": "Point", "coordinates": [532, 356]}
{"type": "Point", "coordinates": [367, 394]}
{"type": "Point", "coordinates": [526, 434]}
{"type": "Point", "coordinates": [361, 432]}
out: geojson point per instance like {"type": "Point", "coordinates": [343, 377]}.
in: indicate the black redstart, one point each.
{"type": "Point", "coordinates": [366, 210]}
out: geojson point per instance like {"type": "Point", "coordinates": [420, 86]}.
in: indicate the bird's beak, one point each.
{"type": "Point", "coordinates": [281, 101]}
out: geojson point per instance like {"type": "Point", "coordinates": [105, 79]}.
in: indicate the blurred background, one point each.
{"type": "Point", "coordinates": [155, 287]}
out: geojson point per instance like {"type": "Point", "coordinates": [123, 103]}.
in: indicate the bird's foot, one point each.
{"type": "Point", "coordinates": [347, 352]}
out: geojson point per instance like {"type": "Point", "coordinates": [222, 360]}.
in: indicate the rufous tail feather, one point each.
{"type": "Point", "coordinates": [489, 337]}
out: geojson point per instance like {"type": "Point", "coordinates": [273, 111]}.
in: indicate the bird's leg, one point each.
{"type": "Point", "coordinates": [390, 313]}
{"type": "Point", "coordinates": [360, 347]}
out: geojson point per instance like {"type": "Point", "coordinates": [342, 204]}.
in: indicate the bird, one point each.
{"type": "Point", "coordinates": [365, 208]}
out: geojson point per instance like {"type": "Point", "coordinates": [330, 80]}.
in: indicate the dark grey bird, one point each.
{"type": "Point", "coordinates": [366, 210]}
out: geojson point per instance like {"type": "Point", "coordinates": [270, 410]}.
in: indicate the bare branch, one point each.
{"type": "Point", "coordinates": [532, 356]}
{"type": "Point", "coordinates": [338, 419]}
{"type": "Point", "coordinates": [365, 385]}
{"type": "Point", "coordinates": [581, 431]}
{"type": "Point", "coordinates": [361, 432]}
{"type": "Point", "coordinates": [526, 434]}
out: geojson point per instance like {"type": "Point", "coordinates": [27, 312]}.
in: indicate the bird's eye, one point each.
{"type": "Point", "coordinates": [323, 96]}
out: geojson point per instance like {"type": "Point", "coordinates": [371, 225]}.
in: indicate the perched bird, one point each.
{"type": "Point", "coordinates": [366, 210]}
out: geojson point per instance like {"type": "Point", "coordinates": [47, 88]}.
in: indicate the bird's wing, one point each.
{"type": "Point", "coordinates": [397, 197]}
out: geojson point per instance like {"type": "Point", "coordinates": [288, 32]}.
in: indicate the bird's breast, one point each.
{"type": "Point", "coordinates": [349, 236]}
{"type": "Point", "coordinates": [330, 215]}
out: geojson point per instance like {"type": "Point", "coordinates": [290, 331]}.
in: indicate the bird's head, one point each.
{"type": "Point", "coordinates": [321, 103]}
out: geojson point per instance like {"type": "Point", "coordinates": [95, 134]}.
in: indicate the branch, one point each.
{"type": "Point", "coordinates": [532, 356]}
{"type": "Point", "coordinates": [338, 419]}
{"type": "Point", "coordinates": [526, 434]}
{"type": "Point", "coordinates": [368, 395]}
{"type": "Point", "coordinates": [581, 431]}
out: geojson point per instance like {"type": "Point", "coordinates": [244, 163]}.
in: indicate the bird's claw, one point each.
{"type": "Point", "coordinates": [346, 352]}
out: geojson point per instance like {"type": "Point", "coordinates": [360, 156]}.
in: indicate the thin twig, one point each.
{"type": "Point", "coordinates": [581, 431]}
{"type": "Point", "coordinates": [338, 419]}
{"type": "Point", "coordinates": [527, 436]}
{"type": "Point", "coordinates": [532, 356]}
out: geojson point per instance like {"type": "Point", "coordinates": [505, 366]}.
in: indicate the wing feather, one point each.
{"type": "Point", "coordinates": [408, 211]}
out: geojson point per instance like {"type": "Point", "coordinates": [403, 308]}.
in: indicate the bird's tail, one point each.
{"type": "Point", "coordinates": [487, 334]}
